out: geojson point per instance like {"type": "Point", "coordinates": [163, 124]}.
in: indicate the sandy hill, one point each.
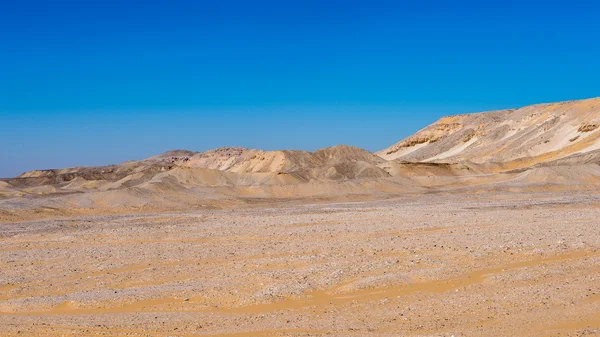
{"type": "Point", "coordinates": [515, 138]}
{"type": "Point", "coordinates": [540, 147]}
{"type": "Point", "coordinates": [334, 163]}
{"type": "Point", "coordinates": [183, 179]}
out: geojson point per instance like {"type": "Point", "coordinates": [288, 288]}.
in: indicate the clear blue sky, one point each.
{"type": "Point", "coordinates": [100, 82]}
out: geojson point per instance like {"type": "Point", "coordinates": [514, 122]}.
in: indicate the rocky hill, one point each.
{"type": "Point", "coordinates": [514, 138]}
{"type": "Point", "coordinates": [535, 148]}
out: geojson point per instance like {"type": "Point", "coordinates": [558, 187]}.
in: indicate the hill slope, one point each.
{"type": "Point", "coordinates": [515, 138]}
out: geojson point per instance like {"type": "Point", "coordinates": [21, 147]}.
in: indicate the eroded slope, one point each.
{"type": "Point", "coordinates": [515, 138]}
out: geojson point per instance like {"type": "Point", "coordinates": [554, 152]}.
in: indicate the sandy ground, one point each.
{"type": "Point", "coordinates": [432, 265]}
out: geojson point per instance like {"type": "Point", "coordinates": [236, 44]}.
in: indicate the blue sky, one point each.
{"type": "Point", "coordinates": [92, 83]}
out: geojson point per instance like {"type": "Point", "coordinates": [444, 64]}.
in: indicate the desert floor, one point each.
{"type": "Point", "coordinates": [427, 265]}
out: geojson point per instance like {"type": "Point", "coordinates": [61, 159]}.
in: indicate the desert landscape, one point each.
{"type": "Point", "coordinates": [480, 224]}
